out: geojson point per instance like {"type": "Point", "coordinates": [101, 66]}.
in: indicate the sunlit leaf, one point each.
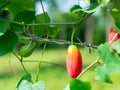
{"type": "Point", "coordinates": [111, 62]}
{"type": "Point", "coordinates": [102, 74]}
{"type": "Point", "coordinates": [8, 42]}
{"type": "Point", "coordinates": [106, 55]}
{"type": "Point", "coordinates": [26, 84]}
{"type": "Point", "coordinates": [113, 68]}
{"type": "Point", "coordinates": [116, 46]}
{"type": "Point", "coordinates": [40, 85]}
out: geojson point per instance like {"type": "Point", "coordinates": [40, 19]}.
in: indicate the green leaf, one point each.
{"type": "Point", "coordinates": [25, 81]}
{"type": "Point", "coordinates": [53, 31]}
{"type": "Point", "coordinates": [8, 42]}
{"type": "Point", "coordinates": [42, 29]}
{"type": "Point", "coordinates": [3, 3]}
{"type": "Point", "coordinates": [26, 84]}
{"type": "Point", "coordinates": [102, 74]}
{"type": "Point", "coordinates": [107, 56]}
{"type": "Point", "coordinates": [113, 68]}
{"type": "Point", "coordinates": [103, 3]}
{"type": "Point", "coordinates": [40, 85]}
{"type": "Point", "coordinates": [3, 27]}
{"type": "Point", "coordinates": [111, 60]}
{"type": "Point", "coordinates": [75, 8]}
{"type": "Point", "coordinates": [76, 84]}
{"type": "Point", "coordinates": [116, 46]}
{"type": "Point", "coordinates": [116, 26]}
{"type": "Point", "coordinates": [17, 6]}
{"type": "Point", "coordinates": [25, 17]}
{"type": "Point", "coordinates": [93, 7]}
{"type": "Point", "coordinates": [115, 11]}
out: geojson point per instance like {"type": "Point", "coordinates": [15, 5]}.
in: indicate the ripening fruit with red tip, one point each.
{"type": "Point", "coordinates": [113, 37]}
{"type": "Point", "coordinates": [73, 61]}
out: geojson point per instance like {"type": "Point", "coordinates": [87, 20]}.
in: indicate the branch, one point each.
{"type": "Point", "coordinates": [60, 42]}
{"type": "Point", "coordinates": [76, 23]}
{"type": "Point", "coordinates": [38, 24]}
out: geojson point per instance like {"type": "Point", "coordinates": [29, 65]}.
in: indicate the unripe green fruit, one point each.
{"type": "Point", "coordinates": [27, 50]}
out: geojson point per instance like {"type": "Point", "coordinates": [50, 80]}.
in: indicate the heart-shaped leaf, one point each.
{"type": "Point", "coordinates": [102, 74]}
{"type": "Point", "coordinates": [8, 42]}
{"type": "Point", "coordinates": [26, 84]}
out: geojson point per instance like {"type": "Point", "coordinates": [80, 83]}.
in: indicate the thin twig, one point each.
{"type": "Point", "coordinates": [41, 58]}
{"type": "Point", "coordinates": [76, 23]}
{"type": "Point", "coordinates": [87, 68]}
{"type": "Point", "coordinates": [28, 61]}
{"type": "Point", "coordinates": [20, 59]}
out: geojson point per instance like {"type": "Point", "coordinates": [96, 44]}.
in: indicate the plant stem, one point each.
{"type": "Point", "coordinates": [87, 68]}
{"type": "Point", "coordinates": [76, 23]}
{"type": "Point", "coordinates": [44, 62]}
{"type": "Point", "coordinates": [20, 59]}
{"type": "Point", "coordinates": [38, 72]}
{"type": "Point", "coordinates": [42, 6]}
{"type": "Point", "coordinates": [72, 36]}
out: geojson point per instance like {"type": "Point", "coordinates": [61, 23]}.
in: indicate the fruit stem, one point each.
{"type": "Point", "coordinates": [72, 36]}
{"type": "Point", "coordinates": [87, 68]}
{"type": "Point", "coordinates": [114, 37]}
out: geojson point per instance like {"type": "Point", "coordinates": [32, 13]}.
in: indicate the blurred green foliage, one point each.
{"type": "Point", "coordinates": [100, 22]}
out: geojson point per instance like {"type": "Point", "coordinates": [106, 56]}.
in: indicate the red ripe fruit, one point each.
{"type": "Point", "coordinates": [112, 34]}
{"type": "Point", "coordinates": [73, 61]}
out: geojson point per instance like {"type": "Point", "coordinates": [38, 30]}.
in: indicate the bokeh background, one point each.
{"type": "Point", "coordinates": [94, 30]}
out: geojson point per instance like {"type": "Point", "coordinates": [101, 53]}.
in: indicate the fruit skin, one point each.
{"type": "Point", "coordinates": [73, 61]}
{"type": "Point", "coordinates": [27, 50]}
{"type": "Point", "coordinates": [112, 33]}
